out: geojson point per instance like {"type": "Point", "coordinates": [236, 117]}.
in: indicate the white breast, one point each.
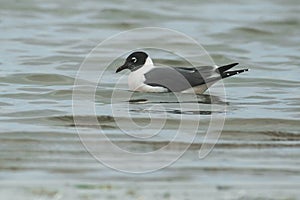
{"type": "Point", "coordinates": [136, 79]}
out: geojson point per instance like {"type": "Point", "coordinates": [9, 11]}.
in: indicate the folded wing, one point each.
{"type": "Point", "coordinates": [179, 78]}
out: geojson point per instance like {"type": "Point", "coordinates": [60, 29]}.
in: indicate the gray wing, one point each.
{"type": "Point", "coordinates": [178, 78]}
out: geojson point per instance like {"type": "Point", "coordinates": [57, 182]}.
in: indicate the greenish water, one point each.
{"type": "Point", "coordinates": [43, 44]}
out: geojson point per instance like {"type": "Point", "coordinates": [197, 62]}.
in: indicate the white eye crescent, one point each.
{"type": "Point", "coordinates": [134, 59]}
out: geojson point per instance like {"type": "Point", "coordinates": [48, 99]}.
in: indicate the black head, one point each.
{"type": "Point", "coordinates": [134, 61]}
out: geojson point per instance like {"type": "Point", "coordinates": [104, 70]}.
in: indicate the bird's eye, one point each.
{"type": "Point", "coordinates": [134, 59]}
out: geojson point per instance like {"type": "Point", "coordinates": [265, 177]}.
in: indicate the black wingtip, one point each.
{"type": "Point", "coordinates": [224, 68]}
{"type": "Point", "coordinates": [231, 73]}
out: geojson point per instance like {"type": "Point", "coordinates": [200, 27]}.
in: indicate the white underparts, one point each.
{"type": "Point", "coordinates": [197, 90]}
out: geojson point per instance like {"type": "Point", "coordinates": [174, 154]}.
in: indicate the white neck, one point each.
{"type": "Point", "coordinates": [149, 62]}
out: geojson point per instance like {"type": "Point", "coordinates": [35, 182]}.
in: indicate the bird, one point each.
{"type": "Point", "coordinates": [146, 77]}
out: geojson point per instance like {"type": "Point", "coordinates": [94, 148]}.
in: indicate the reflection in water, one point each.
{"type": "Point", "coordinates": [198, 112]}
{"type": "Point", "coordinates": [202, 99]}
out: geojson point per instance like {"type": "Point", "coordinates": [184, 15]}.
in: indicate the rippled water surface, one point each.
{"type": "Point", "coordinates": [43, 44]}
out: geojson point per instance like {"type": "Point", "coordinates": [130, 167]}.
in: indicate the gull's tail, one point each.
{"type": "Point", "coordinates": [224, 73]}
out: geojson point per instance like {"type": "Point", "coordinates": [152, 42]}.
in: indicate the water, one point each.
{"type": "Point", "coordinates": [43, 43]}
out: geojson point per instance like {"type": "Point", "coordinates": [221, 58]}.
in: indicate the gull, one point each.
{"type": "Point", "coordinates": [146, 77]}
